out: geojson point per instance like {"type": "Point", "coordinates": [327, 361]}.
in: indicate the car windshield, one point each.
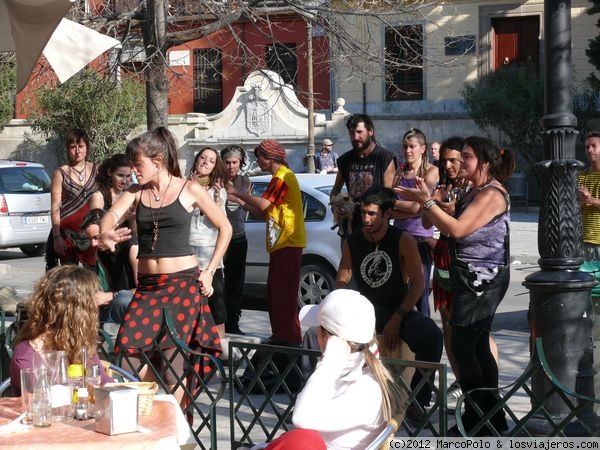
{"type": "Point", "coordinates": [24, 180]}
{"type": "Point", "coordinates": [324, 189]}
{"type": "Point", "coordinates": [327, 189]}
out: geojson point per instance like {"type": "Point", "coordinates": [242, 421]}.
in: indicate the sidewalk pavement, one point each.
{"type": "Point", "coordinates": [524, 236]}
{"type": "Point", "coordinates": [513, 345]}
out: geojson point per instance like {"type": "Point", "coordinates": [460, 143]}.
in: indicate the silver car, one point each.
{"type": "Point", "coordinates": [320, 258]}
{"type": "Point", "coordinates": [24, 206]}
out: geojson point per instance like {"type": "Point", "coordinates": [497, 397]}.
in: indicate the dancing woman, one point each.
{"type": "Point", "coordinates": [168, 274]}
{"type": "Point", "coordinates": [479, 251]}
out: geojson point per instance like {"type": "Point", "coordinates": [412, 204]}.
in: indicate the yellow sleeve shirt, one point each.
{"type": "Point", "coordinates": [285, 216]}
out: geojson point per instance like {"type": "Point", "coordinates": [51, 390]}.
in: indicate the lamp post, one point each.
{"type": "Point", "coordinates": [310, 154]}
{"type": "Point", "coordinates": [560, 295]}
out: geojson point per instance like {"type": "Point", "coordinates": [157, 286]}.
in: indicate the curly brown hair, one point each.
{"type": "Point", "coordinates": [63, 311]}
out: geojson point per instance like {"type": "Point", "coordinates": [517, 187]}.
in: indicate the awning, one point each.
{"type": "Point", "coordinates": [27, 27]}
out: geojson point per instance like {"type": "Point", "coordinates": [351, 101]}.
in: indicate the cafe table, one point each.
{"type": "Point", "coordinates": [165, 428]}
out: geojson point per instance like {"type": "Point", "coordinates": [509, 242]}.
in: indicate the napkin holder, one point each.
{"type": "Point", "coordinates": [116, 410]}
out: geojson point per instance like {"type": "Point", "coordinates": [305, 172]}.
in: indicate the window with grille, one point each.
{"type": "Point", "coordinates": [208, 80]}
{"type": "Point", "coordinates": [459, 45]}
{"type": "Point", "coordinates": [281, 58]}
{"type": "Point", "coordinates": [404, 62]}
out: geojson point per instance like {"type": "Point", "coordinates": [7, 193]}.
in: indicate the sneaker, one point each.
{"type": "Point", "coordinates": [225, 356]}
{"type": "Point", "coordinates": [454, 391]}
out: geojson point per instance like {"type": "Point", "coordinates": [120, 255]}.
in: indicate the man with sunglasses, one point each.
{"type": "Point", "coordinates": [326, 161]}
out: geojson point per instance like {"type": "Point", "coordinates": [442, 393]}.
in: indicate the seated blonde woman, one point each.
{"type": "Point", "coordinates": [62, 315]}
{"type": "Point", "coordinates": [351, 395]}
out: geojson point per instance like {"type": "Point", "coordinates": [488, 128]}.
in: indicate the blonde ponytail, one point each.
{"type": "Point", "coordinates": [393, 399]}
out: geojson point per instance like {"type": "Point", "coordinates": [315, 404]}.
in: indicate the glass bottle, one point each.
{"type": "Point", "coordinates": [76, 373]}
{"type": "Point", "coordinates": [61, 391]}
{"type": "Point", "coordinates": [81, 410]}
{"type": "Point", "coordinates": [42, 401]}
{"type": "Point", "coordinates": [92, 381]}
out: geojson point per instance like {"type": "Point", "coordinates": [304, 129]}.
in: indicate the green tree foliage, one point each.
{"type": "Point", "coordinates": [108, 110]}
{"type": "Point", "coordinates": [510, 99]}
{"type": "Point", "coordinates": [593, 51]}
{"type": "Point", "coordinates": [8, 87]}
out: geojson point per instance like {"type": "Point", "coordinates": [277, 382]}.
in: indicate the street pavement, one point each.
{"type": "Point", "coordinates": [509, 329]}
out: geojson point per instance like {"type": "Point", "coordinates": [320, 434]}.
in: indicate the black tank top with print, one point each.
{"type": "Point", "coordinates": [378, 273]}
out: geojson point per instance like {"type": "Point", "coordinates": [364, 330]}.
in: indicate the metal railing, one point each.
{"type": "Point", "coordinates": [264, 383]}
{"type": "Point", "coordinates": [538, 421]}
{"type": "Point", "coordinates": [435, 416]}
{"type": "Point", "coordinates": [202, 383]}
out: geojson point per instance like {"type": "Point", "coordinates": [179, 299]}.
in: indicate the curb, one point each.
{"type": "Point", "coordinates": [524, 259]}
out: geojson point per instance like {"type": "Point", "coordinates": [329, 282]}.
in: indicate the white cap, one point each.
{"type": "Point", "coordinates": [327, 142]}
{"type": "Point", "coordinates": [344, 313]}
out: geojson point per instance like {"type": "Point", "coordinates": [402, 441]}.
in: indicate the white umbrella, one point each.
{"type": "Point", "coordinates": [73, 46]}
{"type": "Point", "coordinates": [27, 27]}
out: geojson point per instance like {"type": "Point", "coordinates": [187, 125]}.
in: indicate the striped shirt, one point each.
{"type": "Point", "coordinates": [590, 215]}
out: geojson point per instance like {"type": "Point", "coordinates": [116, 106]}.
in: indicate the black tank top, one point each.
{"type": "Point", "coordinates": [173, 230]}
{"type": "Point", "coordinates": [378, 273]}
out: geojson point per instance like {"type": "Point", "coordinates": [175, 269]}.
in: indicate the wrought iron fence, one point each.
{"type": "Point", "coordinates": [538, 420]}
{"type": "Point", "coordinates": [434, 420]}
{"type": "Point", "coordinates": [200, 383]}
{"type": "Point", "coordinates": [264, 383]}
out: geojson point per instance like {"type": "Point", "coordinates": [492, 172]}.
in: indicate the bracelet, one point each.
{"type": "Point", "coordinates": [429, 204]}
{"type": "Point", "coordinates": [212, 272]}
{"type": "Point", "coordinates": [116, 216]}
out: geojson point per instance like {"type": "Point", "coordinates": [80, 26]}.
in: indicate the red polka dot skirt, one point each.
{"type": "Point", "coordinates": [180, 292]}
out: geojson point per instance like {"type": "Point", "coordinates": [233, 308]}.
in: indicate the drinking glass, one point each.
{"type": "Point", "coordinates": [47, 360]}
{"type": "Point", "coordinates": [28, 381]}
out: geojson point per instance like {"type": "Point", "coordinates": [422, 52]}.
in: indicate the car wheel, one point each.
{"type": "Point", "coordinates": [33, 249]}
{"type": "Point", "coordinates": [316, 281]}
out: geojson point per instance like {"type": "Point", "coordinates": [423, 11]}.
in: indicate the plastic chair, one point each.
{"type": "Point", "coordinates": [4, 385]}
{"type": "Point", "coordinates": [117, 373]}
{"type": "Point", "coordinates": [382, 440]}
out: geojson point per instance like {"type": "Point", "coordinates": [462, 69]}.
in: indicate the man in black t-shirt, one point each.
{"type": "Point", "coordinates": [386, 265]}
{"type": "Point", "coordinates": [367, 164]}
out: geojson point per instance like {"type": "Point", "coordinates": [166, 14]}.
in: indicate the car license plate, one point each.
{"type": "Point", "coordinates": [34, 220]}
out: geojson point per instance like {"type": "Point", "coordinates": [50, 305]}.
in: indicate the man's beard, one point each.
{"type": "Point", "coordinates": [362, 147]}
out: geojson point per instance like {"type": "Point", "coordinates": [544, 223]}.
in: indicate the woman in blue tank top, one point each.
{"type": "Point", "coordinates": [480, 274]}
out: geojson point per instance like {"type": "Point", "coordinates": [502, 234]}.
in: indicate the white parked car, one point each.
{"type": "Point", "coordinates": [24, 206]}
{"type": "Point", "coordinates": [320, 258]}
